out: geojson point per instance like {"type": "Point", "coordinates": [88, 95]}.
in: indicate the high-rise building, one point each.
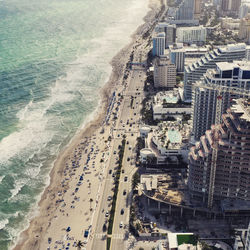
{"type": "Point", "coordinates": [244, 8]}
{"type": "Point", "coordinates": [197, 8]}
{"type": "Point", "coordinates": [229, 6]}
{"type": "Point", "coordinates": [177, 56]}
{"type": "Point", "coordinates": [169, 30]}
{"type": "Point", "coordinates": [196, 34]}
{"type": "Point", "coordinates": [164, 73]}
{"type": "Point", "coordinates": [244, 30]}
{"type": "Point", "coordinates": [236, 75]}
{"type": "Point", "coordinates": [185, 11]}
{"type": "Point", "coordinates": [159, 44]}
{"type": "Point", "coordinates": [232, 172]}
{"type": "Point", "coordinates": [247, 247]}
{"type": "Point", "coordinates": [195, 71]}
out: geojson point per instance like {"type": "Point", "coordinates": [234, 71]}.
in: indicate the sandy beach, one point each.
{"type": "Point", "coordinates": [70, 203]}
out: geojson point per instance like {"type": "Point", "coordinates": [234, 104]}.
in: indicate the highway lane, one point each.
{"type": "Point", "coordinates": [121, 230]}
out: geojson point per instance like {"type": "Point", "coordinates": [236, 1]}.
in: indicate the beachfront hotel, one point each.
{"type": "Point", "coordinates": [193, 72]}
{"type": "Point", "coordinates": [234, 75]}
{"type": "Point", "coordinates": [232, 176]}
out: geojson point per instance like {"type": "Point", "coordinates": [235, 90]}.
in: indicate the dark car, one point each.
{"type": "Point", "coordinates": [124, 192]}
{"type": "Point", "coordinates": [86, 233]}
{"type": "Point", "coordinates": [125, 178]}
{"type": "Point", "coordinates": [110, 171]}
{"type": "Point", "coordinates": [122, 211]}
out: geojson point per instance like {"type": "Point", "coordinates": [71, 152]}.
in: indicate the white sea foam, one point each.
{"type": "Point", "coordinates": [3, 223]}
{"type": "Point", "coordinates": [37, 126]}
{"type": "Point", "coordinates": [1, 178]}
{"type": "Point", "coordinates": [19, 183]}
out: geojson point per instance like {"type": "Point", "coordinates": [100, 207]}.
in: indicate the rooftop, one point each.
{"type": "Point", "coordinates": [242, 106]}
{"type": "Point", "coordinates": [171, 96]}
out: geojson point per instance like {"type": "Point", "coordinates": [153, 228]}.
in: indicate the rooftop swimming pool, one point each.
{"type": "Point", "coordinates": [174, 136]}
{"type": "Point", "coordinates": [171, 99]}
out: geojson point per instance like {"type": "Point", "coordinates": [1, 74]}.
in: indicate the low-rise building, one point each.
{"type": "Point", "coordinates": [168, 140]}
{"type": "Point", "coordinates": [168, 104]}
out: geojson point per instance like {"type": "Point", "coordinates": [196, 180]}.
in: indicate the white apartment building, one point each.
{"type": "Point", "coordinates": [194, 71]}
{"type": "Point", "coordinates": [236, 74]}
{"type": "Point", "coordinates": [196, 34]}
{"type": "Point", "coordinates": [164, 73]}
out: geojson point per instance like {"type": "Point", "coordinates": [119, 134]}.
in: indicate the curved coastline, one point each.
{"type": "Point", "coordinates": [30, 238]}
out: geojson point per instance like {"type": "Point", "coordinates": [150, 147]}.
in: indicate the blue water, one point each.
{"type": "Point", "coordinates": [54, 58]}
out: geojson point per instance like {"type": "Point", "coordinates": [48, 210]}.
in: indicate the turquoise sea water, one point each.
{"type": "Point", "coordinates": [54, 58]}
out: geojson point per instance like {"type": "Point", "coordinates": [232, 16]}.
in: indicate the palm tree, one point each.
{"type": "Point", "coordinates": [79, 244]}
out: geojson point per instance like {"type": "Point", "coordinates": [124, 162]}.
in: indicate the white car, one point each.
{"type": "Point", "coordinates": [121, 224]}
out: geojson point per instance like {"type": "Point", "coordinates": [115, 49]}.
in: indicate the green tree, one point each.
{"type": "Point", "coordinates": [135, 180]}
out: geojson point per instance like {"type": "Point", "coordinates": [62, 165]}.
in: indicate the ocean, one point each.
{"type": "Point", "coordinates": [54, 59]}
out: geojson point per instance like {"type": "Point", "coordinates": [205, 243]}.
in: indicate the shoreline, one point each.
{"type": "Point", "coordinates": [46, 205]}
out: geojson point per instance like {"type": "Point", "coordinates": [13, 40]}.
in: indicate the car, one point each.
{"type": "Point", "coordinates": [125, 178]}
{"type": "Point", "coordinates": [109, 198]}
{"type": "Point", "coordinates": [127, 142]}
{"type": "Point", "coordinates": [128, 159]}
{"type": "Point", "coordinates": [107, 214]}
{"type": "Point", "coordinates": [122, 211]}
{"type": "Point", "coordinates": [86, 233]}
{"type": "Point", "coordinates": [110, 171]}
{"type": "Point", "coordinates": [114, 152]}
{"type": "Point", "coordinates": [124, 192]}
{"type": "Point", "coordinates": [123, 171]}
{"type": "Point", "coordinates": [113, 175]}
{"type": "Point", "coordinates": [121, 224]}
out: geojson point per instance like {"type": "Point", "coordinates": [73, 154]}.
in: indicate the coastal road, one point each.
{"type": "Point", "coordinates": [121, 221]}
{"type": "Point", "coordinates": [105, 205]}
{"type": "Point", "coordinates": [127, 123]}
